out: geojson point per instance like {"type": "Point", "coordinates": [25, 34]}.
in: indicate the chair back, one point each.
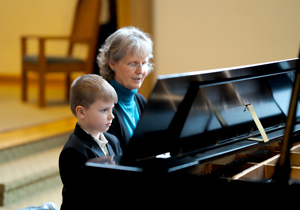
{"type": "Point", "coordinates": [86, 25]}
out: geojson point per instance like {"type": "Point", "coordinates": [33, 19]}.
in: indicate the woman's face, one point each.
{"type": "Point", "coordinates": [130, 71]}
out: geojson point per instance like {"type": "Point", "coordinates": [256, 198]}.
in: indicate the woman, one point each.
{"type": "Point", "coordinates": [124, 61]}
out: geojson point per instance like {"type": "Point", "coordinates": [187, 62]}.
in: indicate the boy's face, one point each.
{"type": "Point", "coordinates": [98, 117]}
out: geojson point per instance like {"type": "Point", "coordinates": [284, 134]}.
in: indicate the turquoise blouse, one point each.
{"type": "Point", "coordinates": [128, 105]}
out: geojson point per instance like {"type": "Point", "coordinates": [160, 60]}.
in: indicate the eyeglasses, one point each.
{"type": "Point", "coordinates": [134, 66]}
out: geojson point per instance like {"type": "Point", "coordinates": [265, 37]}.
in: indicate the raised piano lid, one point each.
{"type": "Point", "coordinates": [192, 113]}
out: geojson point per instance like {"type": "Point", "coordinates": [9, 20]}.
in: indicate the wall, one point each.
{"type": "Point", "coordinates": [189, 35]}
{"type": "Point", "coordinates": [31, 17]}
{"type": "Point", "coordinates": [192, 35]}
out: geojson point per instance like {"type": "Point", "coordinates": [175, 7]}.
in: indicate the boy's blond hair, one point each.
{"type": "Point", "coordinates": [88, 88]}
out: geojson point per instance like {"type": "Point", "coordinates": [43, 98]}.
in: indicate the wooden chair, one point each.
{"type": "Point", "coordinates": [84, 31]}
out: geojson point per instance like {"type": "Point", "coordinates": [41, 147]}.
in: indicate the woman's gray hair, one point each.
{"type": "Point", "coordinates": [122, 42]}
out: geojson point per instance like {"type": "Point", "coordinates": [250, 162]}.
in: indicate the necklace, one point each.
{"type": "Point", "coordinates": [131, 115]}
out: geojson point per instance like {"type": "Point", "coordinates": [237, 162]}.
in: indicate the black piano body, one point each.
{"type": "Point", "coordinates": [198, 117]}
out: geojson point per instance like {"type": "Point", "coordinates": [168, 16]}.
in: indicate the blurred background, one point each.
{"type": "Point", "coordinates": [188, 35]}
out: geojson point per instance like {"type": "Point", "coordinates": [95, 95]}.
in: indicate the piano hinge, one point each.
{"type": "Point", "coordinates": [217, 141]}
{"type": "Point", "coordinates": [251, 131]}
{"type": "Point", "coordinates": [179, 152]}
{"type": "Point", "coordinates": [258, 124]}
{"type": "Point", "coordinates": [280, 123]}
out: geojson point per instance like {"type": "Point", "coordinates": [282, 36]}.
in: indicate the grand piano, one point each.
{"type": "Point", "coordinates": [195, 121]}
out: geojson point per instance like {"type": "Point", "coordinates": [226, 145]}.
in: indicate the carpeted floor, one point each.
{"type": "Point", "coordinates": [16, 114]}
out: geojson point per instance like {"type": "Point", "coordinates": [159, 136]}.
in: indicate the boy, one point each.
{"type": "Point", "coordinates": [92, 100]}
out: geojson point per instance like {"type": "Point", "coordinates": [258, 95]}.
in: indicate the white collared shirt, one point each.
{"type": "Point", "coordinates": [101, 142]}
